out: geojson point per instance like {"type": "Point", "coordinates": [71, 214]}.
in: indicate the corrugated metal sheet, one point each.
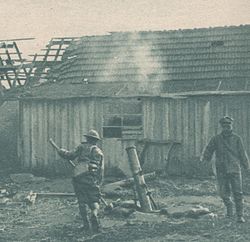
{"type": "Point", "coordinates": [191, 120]}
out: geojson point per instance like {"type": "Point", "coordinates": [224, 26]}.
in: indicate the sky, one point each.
{"type": "Point", "coordinates": [44, 19]}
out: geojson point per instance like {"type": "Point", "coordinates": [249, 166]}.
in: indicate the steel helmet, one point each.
{"type": "Point", "coordinates": [93, 134]}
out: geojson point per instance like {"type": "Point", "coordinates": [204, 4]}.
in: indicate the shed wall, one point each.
{"type": "Point", "coordinates": [65, 121]}
{"type": "Point", "coordinates": [191, 120]}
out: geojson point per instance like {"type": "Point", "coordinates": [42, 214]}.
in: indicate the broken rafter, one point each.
{"type": "Point", "coordinates": [46, 55]}
{"type": "Point", "coordinates": [20, 39]}
{"type": "Point", "coordinates": [14, 70]}
{"type": "Point", "coordinates": [5, 73]}
{"type": "Point", "coordinates": [20, 58]}
{"type": "Point", "coordinates": [52, 55]}
{"type": "Point", "coordinates": [12, 65]}
{"type": "Point", "coordinates": [4, 45]}
{"type": "Point", "coordinates": [54, 49]}
{"type": "Point", "coordinates": [65, 42]}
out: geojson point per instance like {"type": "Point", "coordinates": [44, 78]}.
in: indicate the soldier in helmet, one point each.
{"type": "Point", "coordinates": [87, 177]}
{"type": "Point", "coordinates": [230, 157]}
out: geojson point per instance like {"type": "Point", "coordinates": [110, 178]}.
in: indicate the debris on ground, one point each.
{"type": "Point", "coordinates": [26, 178]}
{"type": "Point", "coordinates": [8, 190]}
{"type": "Point", "coordinates": [31, 198]}
{"type": "Point", "coordinates": [185, 211]}
{"type": "Point", "coordinates": [126, 204]}
{"type": "Point", "coordinates": [56, 218]}
{"type": "Point", "coordinates": [122, 212]}
{"type": "Point", "coordinates": [117, 189]}
{"type": "Point", "coordinates": [138, 217]}
{"type": "Point", "coordinates": [4, 200]}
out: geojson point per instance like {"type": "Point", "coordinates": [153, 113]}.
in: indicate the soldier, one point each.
{"type": "Point", "coordinates": [230, 157]}
{"type": "Point", "coordinates": [87, 178]}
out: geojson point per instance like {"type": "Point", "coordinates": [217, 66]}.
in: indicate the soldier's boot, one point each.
{"type": "Point", "coordinates": [96, 228]}
{"type": "Point", "coordinates": [86, 224]}
{"type": "Point", "coordinates": [229, 207]}
{"type": "Point", "coordinates": [239, 210]}
{"type": "Point", "coordinates": [85, 218]}
{"type": "Point", "coordinates": [229, 213]}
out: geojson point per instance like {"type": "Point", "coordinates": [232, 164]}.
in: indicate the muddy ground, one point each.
{"type": "Point", "coordinates": [57, 219]}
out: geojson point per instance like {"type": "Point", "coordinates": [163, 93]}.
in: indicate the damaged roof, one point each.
{"type": "Point", "coordinates": [182, 60]}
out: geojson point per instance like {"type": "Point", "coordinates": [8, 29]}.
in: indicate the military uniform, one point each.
{"type": "Point", "coordinates": [87, 177]}
{"type": "Point", "coordinates": [230, 157]}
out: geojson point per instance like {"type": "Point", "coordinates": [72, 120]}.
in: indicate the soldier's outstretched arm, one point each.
{"type": "Point", "coordinates": [70, 155]}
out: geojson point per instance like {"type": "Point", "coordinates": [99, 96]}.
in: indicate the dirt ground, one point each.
{"type": "Point", "coordinates": [57, 218]}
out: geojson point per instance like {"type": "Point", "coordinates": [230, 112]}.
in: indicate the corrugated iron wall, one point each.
{"type": "Point", "coordinates": [192, 121]}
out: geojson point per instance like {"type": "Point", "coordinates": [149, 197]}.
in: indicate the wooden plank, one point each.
{"type": "Point", "coordinates": [39, 63]}
{"type": "Point", "coordinates": [91, 114]}
{"type": "Point", "coordinates": [70, 127]}
{"type": "Point", "coordinates": [45, 117]}
{"type": "Point", "coordinates": [146, 123]}
{"type": "Point", "coordinates": [55, 49]}
{"type": "Point", "coordinates": [56, 42]}
{"type": "Point", "coordinates": [244, 122]}
{"type": "Point", "coordinates": [34, 134]}
{"type": "Point", "coordinates": [76, 115]}
{"type": "Point", "coordinates": [166, 122]}
{"type": "Point", "coordinates": [58, 131]}
{"type": "Point", "coordinates": [71, 124]}
{"type": "Point", "coordinates": [190, 129]}
{"type": "Point", "coordinates": [65, 38]}
{"type": "Point", "coordinates": [247, 116]}
{"type": "Point", "coordinates": [18, 39]}
{"type": "Point", "coordinates": [65, 131]}
{"type": "Point", "coordinates": [84, 116]}
{"type": "Point", "coordinates": [20, 57]}
{"type": "Point", "coordinates": [99, 115]}
{"type": "Point", "coordinates": [16, 75]}
{"type": "Point", "coordinates": [205, 123]}
{"type": "Point", "coordinates": [40, 149]}
{"type": "Point", "coordinates": [26, 139]}
{"type": "Point", "coordinates": [20, 148]}
{"type": "Point", "coordinates": [58, 51]}
{"type": "Point", "coordinates": [179, 118]}
{"type": "Point", "coordinates": [8, 68]}
{"type": "Point", "coordinates": [184, 129]}
{"type": "Point", "coordinates": [46, 55]}
{"type": "Point", "coordinates": [51, 133]}
{"type": "Point", "coordinates": [6, 74]}
{"type": "Point", "coordinates": [6, 45]}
